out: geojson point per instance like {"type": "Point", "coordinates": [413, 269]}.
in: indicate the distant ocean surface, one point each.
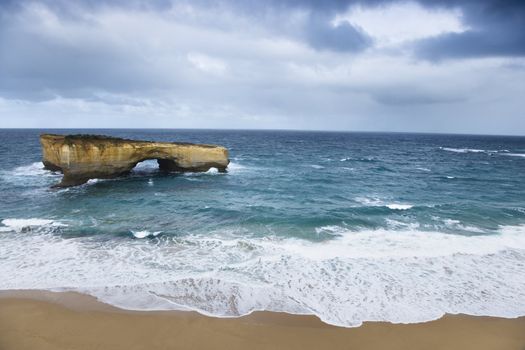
{"type": "Point", "coordinates": [350, 227]}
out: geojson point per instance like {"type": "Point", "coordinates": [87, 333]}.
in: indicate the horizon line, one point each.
{"type": "Point", "coordinates": [269, 129]}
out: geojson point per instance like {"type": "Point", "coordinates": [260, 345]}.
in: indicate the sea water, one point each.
{"type": "Point", "coordinates": [350, 227]}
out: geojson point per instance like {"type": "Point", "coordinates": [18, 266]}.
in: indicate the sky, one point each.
{"type": "Point", "coordinates": [378, 65]}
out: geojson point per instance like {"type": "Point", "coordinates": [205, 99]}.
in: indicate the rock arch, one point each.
{"type": "Point", "coordinates": [84, 157]}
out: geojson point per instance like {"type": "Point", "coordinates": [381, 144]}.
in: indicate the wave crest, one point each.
{"type": "Point", "coordinates": [29, 225]}
{"type": "Point", "coordinates": [379, 275]}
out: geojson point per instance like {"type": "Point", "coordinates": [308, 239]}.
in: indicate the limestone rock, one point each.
{"type": "Point", "coordinates": [84, 157]}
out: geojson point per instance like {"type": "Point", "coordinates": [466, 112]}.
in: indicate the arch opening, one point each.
{"type": "Point", "coordinates": [156, 164]}
{"type": "Point", "coordinates": [145, 167]}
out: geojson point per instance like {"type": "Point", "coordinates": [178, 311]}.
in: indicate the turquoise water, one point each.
{"type": "Point", "coordinates": [347, 226]}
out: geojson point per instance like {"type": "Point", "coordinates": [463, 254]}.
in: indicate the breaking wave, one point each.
{"type": "Point", "coordinates": [399, 206]}
{"type": "Point", "coordinates": [378, 202]}
{"type": "Point", "coordinates": [516, 155]}
{"type": "Point", "coordinates": [372, 275]}
{"type": "Point", "coordinates": [505, 152]}
{"type": "Point", "coordinates": [33, 174]}
{"type": "Point", "coordinates": [28, 225]}
{"type": "Point", "coordinates": [145, 233]}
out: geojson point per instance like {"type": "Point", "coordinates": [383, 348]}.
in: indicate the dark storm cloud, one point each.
{"type": "Point", "coordinates": [497, 28]}
{"type": "Point", "coordinates": [317, 30]}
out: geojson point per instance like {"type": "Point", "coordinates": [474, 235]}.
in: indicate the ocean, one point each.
{"type": "Point", "coordinates": [350, 227]}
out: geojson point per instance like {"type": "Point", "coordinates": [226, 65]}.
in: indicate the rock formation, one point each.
{"type": "Point", "coordinates": [84, 157]}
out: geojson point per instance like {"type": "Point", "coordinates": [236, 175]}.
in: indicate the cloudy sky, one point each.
{"type": "Point", "coordinates": [380, 65]}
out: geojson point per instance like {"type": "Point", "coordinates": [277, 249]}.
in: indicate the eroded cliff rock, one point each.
{"type": "Point", "coordinates": [84, 157]}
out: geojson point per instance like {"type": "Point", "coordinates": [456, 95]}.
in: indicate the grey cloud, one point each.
{"type": "Point", "coordinates": [35, 66]}
{"type": "Point", "coordinates": [481, 43]}
{"type": "Point", "coordinates": [497, 28]}
{"type": "Point", "coordinates": [316, 30]}
{"type": "Point", "coordinates": [344, 37]}
{"type": "Point", "coordinates": [408, 97]}
{"type": "Point", "coordinates": [137, 73]}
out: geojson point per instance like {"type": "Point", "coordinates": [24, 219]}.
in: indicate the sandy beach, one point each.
{"type": "Point", "coordinates": [43, 320]}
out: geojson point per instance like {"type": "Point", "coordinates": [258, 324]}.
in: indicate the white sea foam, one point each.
{"type": "Point", "coordinates": [235, 167]}
{"type": "Point", "coordinates": [369, 201]}
{"type": "Point", "coordinates": [464, 150]}
{"type": "Point", "coordinates": [397, 206]}
{"type": "Point", "coordinates": [232, 169]}
{"type": "Point", "coordinates": [315, 166]}
{"type": "Point", "coordinates": [191, 176]}
{"type": "Point", "coordinates": [457, 225]}
{"type": "Point", "coordinates": [380, 275]}
{"type": "Point", "coordinates": [33, 174]}
{"type": "Point", "coordinates": [378, 202]}
{"type": "Point", "coordinates": [33, 169]}
{"type": "Point", "coordinates": [33, 224]}
{"type": "Point", "coordinates": [145, 233]}
{"type": "Point", "coordinates": [474, 150]}
{"type": "Point", "coordinates": [332, 230]}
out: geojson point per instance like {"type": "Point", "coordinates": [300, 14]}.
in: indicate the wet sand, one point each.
{"type": "Point", "coordinates": [43, 320]}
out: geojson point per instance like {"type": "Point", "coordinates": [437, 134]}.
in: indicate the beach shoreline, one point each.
{"type": "Point", "coordinates": [65, 320]}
